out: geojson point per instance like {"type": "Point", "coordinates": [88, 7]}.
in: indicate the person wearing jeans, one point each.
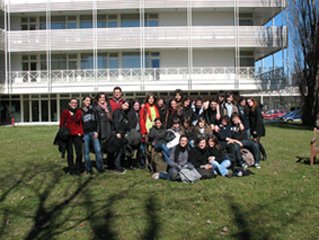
{"type": "Point", "coordinates": [90, 128]}
{"type": "Point", "coordinates": [217, 158]}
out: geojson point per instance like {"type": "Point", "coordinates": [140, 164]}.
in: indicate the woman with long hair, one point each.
{"type": "Point", "coordinates": [257, 126]}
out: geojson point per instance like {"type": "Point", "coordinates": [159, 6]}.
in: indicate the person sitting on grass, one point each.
{"type": "Point", "coordinates": [177, 160]}
{"type": "Point", "coordinates": [220, 162]}
{"type": "Point", "coordinates": [238, 137]}
{"type": "Point", "coordinates": [198, 157]}
{"type": "Point", "coordinates": [228, 144]}
{"type": "Point", "coordinates": [157, 136]}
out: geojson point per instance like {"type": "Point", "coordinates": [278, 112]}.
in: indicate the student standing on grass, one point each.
{"type": "Point", "coordinates": [91, 129]}
{"type": "Point", "coordinates": [257, 126]}
{"type": "Point", "coordinates": [72, 119]}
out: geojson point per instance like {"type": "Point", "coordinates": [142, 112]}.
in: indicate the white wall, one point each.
{"type": "Point", "coordinates": [201, 58]}
{"type": "Point", "coordinates": [213, 19]}
{"type": "Point", "coordinates": [173, 58]}
{"type": "Point", "coordinates": [213, 58]}
{"type": "Point", "coordinates": [173, 19]}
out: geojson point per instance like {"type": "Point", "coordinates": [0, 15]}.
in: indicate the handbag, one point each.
{"type": "Point", "coordinates": [189, 175]}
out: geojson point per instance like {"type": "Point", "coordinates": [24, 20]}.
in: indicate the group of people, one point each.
{"type": "Point", "coordinates": [206, 135]}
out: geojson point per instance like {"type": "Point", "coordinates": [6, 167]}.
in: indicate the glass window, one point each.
{"type": "Point", "coordinates": [58, 62]}
{"type": "Point", "coordinates": [131, 60]}
{"type": "Point", "coordinates": [113, 61]}
{"type": "Point", "coordinates": [58, 22]}
{"type": "Point", "coordinates": [101, 61]}
{"type": "Point", "coordinates": [43, 23]}
{"type": "Point", "coordinates": [86, 61]}
{"type": "Point", "coordinates": [130, 20]}
{"type": "Point", "coordinates": [112, 21]}
{"type": "Point", "coordinates": [26, 111]}
{"type": "Point", "coordinates": [101, 21]}
{"type": "Point", "coordinates": [86, 21]}
{"type": "Point", "coordinates": [54, 116]}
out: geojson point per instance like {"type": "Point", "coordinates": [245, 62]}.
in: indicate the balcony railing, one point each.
{"type": "Point", "coordinates": [74, 5]}
{"type": "Point", "coordinates": [2, 40]}
{"type": "Point", "coordinates": [157, 79]}
{"type": "Point", "coordinates": [152, 37]}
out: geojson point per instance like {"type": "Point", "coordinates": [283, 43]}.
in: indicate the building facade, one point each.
{"type": "Point", "coordinates": [54, 49]}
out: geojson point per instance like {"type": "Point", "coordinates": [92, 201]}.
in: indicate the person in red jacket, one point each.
{"type": "Point", "coordinates": [148, 113]}
{"type": "Point", "coordinates": [117, 100]}
{"type": "Point", "coordinates": [72, 119]}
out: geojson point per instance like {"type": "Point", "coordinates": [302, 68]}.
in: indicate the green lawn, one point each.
{"type": "Point", "coordinates": [39, 201]}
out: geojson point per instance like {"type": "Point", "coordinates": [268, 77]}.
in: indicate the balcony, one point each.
{"type": "Point", "coordinates": [152, 37]}
{"type": "Point", "coordinates": [158, 79]}
{"type": "Point", "coordinates": [16, 6]}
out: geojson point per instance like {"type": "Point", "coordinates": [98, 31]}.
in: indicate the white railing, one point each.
{"type": "Point", "coordinates": [74, 5]}
{"type": "Point", "coordinates": [153, 37]}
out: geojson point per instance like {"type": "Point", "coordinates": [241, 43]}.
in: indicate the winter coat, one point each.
{"type": "Point", "coordinates": [105, 122]}
{"type": "Point", "coordinates": [256, 123]}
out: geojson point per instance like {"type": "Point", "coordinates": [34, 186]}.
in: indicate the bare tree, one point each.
{"type": "Point", "coordinates": [304, 31]}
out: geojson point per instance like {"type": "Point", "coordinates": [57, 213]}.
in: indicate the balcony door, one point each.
{"type": "Point", "coordinates": [29, 66]}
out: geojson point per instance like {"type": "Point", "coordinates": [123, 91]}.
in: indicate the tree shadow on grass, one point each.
{"type": "Point", "coordinates": [153, 223]}
{"type": "Point", "coordinates": [249, 229]}
{"type": "Point", "coordinates": [45, 225]}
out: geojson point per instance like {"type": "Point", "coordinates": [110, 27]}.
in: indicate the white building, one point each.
{"type": "Point", "coordinates": [54, 49]}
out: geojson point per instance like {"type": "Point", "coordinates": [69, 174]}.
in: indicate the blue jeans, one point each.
{"type": "Point", "coordinates": [88, 139]}
{"type": "Point", "coordinates": [221, 168]}
{"type": "Point", "coordinates": [161, 147]}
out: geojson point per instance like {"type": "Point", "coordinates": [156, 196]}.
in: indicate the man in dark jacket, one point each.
{"type": "Point", "coordinates": [120, 130]}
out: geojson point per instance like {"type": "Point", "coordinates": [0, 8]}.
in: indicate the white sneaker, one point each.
{"type": "Point", "coordinates": [257, 165]}
{"type": "Point", "coordinates": [244, 166]}
{"type": "Point", "coordinates": [155, 176]}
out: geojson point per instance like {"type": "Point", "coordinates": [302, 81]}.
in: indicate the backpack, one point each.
{"type": "Point", "coordinates": [247, 156]}
{"type": "Point", "coordinates": [189, 175]}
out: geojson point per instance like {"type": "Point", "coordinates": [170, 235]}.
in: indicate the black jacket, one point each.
{"type": "Point", "coordinates": [256, 122]}
{"type": "Point", "coordinates": [90, 120]}
{"type": "Point", "coordinates": [105, 123]}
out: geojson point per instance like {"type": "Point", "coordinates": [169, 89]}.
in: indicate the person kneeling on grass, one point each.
{"type": "Point", "coordinates": [219, 161]}
{"type": "Point", "coordinates": [177, 160]}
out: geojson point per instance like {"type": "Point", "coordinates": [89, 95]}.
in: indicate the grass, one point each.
{"type": "Point", "coordinates": [39, 201]}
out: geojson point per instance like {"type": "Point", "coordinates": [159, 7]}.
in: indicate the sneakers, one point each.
{"type": "Point", "coordinates": [155, 176]}
{"type": "Point", "coordinates": [257, 165]}
{"type": "Point", "coordinates": [244, 166]}
{"type": "Point", "coordinates": [120, 171]}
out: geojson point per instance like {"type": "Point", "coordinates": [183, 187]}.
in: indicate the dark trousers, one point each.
{"type": "Point", "coordinates": [234, 150]}
{"type": "Point", "coordinates": [253, 147]}
{"type": "Point", "coordinates": [75, 141]}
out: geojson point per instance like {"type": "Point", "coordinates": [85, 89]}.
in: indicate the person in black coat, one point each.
{"type": "Point", "coordinates": [198, 157]}
{"type": "Point", "coordinates": [120, 121]}
{"type": "Point", "coordinates": [257, 126]}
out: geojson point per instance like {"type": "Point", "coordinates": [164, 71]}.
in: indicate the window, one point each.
{"type": "Point", "coordinates": [152, 60]}
{"type": "Point", "coordinates": [58, 61]}
{"type": "Point", "coordinates": [107, 61]}
{"type": "Point", "coordinates": [71, 22]}
{"type": "Point", "coordinates": [151, 20]}
{"type": "Point", "coordinates": [43, 23]}
{"type": "Point", "coordinates": [58, 22]}
{"type": "Point", "coordinates": [87, 61]}
{"type": "Point", "coordinates": [246, 19]}
{"type": "Point", "coordinates": [86, 21]}
{"type": "Point", "coordinates": [130, 20]}
{"type": "Point", "coordinates": [101, 21]}
{"type": "Point", "coordinates": [112, 21]}
{"type": "Point", "coordinates": [131, 60]}
{"type": "Point", "coordinates": [31, 23]}
{"type": "Point", "coordinates": [72, 62]}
